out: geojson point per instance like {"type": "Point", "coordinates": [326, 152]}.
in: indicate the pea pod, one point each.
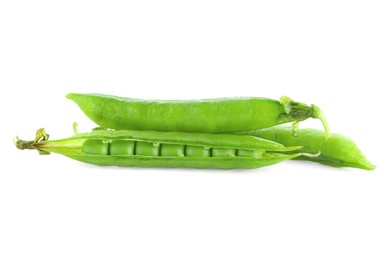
{"type": "Point", "coordinates": [164, 149]}
{"type": "Point", "coordinates": [198, 116]}
{"type": "Point", "coordinates": [337, 150]}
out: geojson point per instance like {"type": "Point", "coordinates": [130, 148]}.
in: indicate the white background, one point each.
{"type": "Point", "coordinates": [334, 54]}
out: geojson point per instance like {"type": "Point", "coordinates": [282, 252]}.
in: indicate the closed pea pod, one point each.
{"type": "Point", "coordinates": [164, 149]}
{"type": "Point", "coordinates": [199, 116]}
{"type": "Point", "coordinates": [337, 150]}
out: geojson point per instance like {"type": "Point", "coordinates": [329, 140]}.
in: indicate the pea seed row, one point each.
{"type": "Point", "coordinates": [132, 147]}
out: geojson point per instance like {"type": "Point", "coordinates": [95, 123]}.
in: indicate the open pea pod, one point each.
{"type": "Point", "coordinates": [164, 149]}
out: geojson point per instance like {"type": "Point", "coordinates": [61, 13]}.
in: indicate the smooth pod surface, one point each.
{"type": "Point", "coordinates": [200, 116]}
{"type": "Point", "coordinates": [337, 150]}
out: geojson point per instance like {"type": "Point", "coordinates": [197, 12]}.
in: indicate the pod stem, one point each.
{"type": "Point", "coordinates": [297, 111]}
{"type": "Point", "coordinates": [317, 113]}
{"type": "Point", "coordinates": [40, 136]}
{"type": "Point", "coordinates": [75, 128]}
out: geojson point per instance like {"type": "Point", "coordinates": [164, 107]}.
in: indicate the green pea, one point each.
{"type": "Point", "coordinates": [172, 150]}
{"type": "Point", "coordinates": [197, 151]}
{"type": "Point", "coordinates": [96, 146]}
{"type": "Point", "coordinates": [249, 153]}
{"type": "Point", "coordinates": [147, 149]}
{"type": "Point", "coordinates": [223, 152]}
{"type": "Point", "coordinates": [199, 116]}
{"type": "Point", "coordinates": [122, 147]}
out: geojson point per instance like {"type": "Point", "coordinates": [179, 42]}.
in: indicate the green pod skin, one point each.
{"type": "Point", "coordinates": [198, 116]}
{"type": "Point", "coordinates": [337, 150]}
{"type": "Point", "coordinates": [164, 149]}
{"type": "Point", "coordinates": [194, 139]}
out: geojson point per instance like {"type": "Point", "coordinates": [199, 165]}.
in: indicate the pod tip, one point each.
{"type": "Point", "coordinates": [70, 95]}
{"type": "Point", "coordinates": [367, 165]}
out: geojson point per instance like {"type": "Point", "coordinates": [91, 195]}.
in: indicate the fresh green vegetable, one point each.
{"type": "Point", "coordinates": [164, 149]}
{"type": "Point", "coordinates": [198, 116]}
{"type": "Point", "coordinates": [337, 150]}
